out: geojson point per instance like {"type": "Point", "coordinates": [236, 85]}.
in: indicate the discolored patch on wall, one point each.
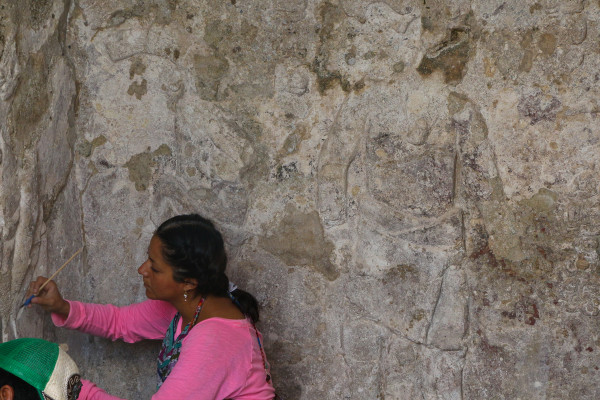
{"type": "Point", "coordinates": [528, 55]}
{"type": "Point", "coordinates": [138, 89]}
{"type": "Point", "coordinates": [163, 150]}
{"type": "Point", "coordinates": [140, 170]}
{"type": "Point", "coordinates": [140, 166]}
{"type": "Point", "coordinates": [331, 16]}
{"type": "Point", "coordinates": [450, 56]}
{"type": "Point", "coordinates": [547, 44]}
{"type": "Point", "coordinates": [86, 148]}
{"type": "Point", "coordinates": [137, 68]}
{"type": "Point", "coordinates": [297, 228]}
{"type": "Point", "coordinates": [209, 71]}
{"type": "Point", "coordinates": [326, 79]}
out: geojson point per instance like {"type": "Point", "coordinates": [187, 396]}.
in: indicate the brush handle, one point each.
{"type": "Point", "coordinates": [58, 270]}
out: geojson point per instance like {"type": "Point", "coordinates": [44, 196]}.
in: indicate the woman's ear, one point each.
{"type": "Point", "coordinates": [7, 393]}
{"type": "Point", "coordinates": [190, 284]}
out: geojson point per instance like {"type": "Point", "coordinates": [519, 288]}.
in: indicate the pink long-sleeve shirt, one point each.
{"type": "Point", "coordinates": [219, 359]}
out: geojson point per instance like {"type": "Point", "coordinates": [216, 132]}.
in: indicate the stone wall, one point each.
{"type": "Point", "coordinates": [409, 187]}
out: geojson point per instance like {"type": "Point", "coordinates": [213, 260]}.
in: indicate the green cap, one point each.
{"type": "Point", "coordinates": [43, 365]}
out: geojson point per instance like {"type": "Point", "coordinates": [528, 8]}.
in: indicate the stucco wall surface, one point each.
{"type": "Point", "coordinates": [410, 188]}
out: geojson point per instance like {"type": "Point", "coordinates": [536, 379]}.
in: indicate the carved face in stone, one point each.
{"type": "Point", "coordinates": [158, 276]}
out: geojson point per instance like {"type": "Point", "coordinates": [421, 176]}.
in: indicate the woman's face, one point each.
{"type": "Point", "coordinates": [158, 276]}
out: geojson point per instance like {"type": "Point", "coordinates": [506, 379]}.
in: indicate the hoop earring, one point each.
{"type": "Point", "coordinates": [185, 295]}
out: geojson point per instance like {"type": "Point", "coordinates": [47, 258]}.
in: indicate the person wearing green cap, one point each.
{"type": "Point", "coordinates": [32, 369]}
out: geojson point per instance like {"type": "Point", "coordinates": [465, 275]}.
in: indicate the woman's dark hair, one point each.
{"type": "Point", "coordinates": [22, 389]}
{"type": "Point", "coordinates": [194, 248]}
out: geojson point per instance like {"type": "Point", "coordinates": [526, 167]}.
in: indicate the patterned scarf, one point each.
{"type": "Point", "coordinates": [171, 347]}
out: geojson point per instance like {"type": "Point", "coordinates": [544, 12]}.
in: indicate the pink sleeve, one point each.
{"type": "Point", "coordinates": [89, 391]}
{"type": "Point", "coordinates": [147, 320]}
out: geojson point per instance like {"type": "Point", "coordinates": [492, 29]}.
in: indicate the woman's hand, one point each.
{"type": "Point", "coordinates": [49, 298]}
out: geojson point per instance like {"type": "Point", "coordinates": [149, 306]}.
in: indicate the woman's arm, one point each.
{"type": "Point", "coordinates": [147, 320]}
{"type": "Point", "coordinates": [89, 391]}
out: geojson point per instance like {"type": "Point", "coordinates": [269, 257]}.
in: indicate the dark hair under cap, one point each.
{"type": "Point", "coordinates": [22, 389]}
{"type": "Point", "coordinates": [194, 248]}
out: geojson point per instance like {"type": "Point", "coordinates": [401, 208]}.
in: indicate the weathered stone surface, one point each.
{"type": "Point", "coordinates": [410, 188]}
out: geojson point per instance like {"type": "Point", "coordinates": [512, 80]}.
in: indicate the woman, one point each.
{"type": "Point", "coordinates": [211, 348]}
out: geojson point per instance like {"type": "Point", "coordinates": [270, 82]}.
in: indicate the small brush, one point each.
{"type": "Point", "coordinates": [28, 301]}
